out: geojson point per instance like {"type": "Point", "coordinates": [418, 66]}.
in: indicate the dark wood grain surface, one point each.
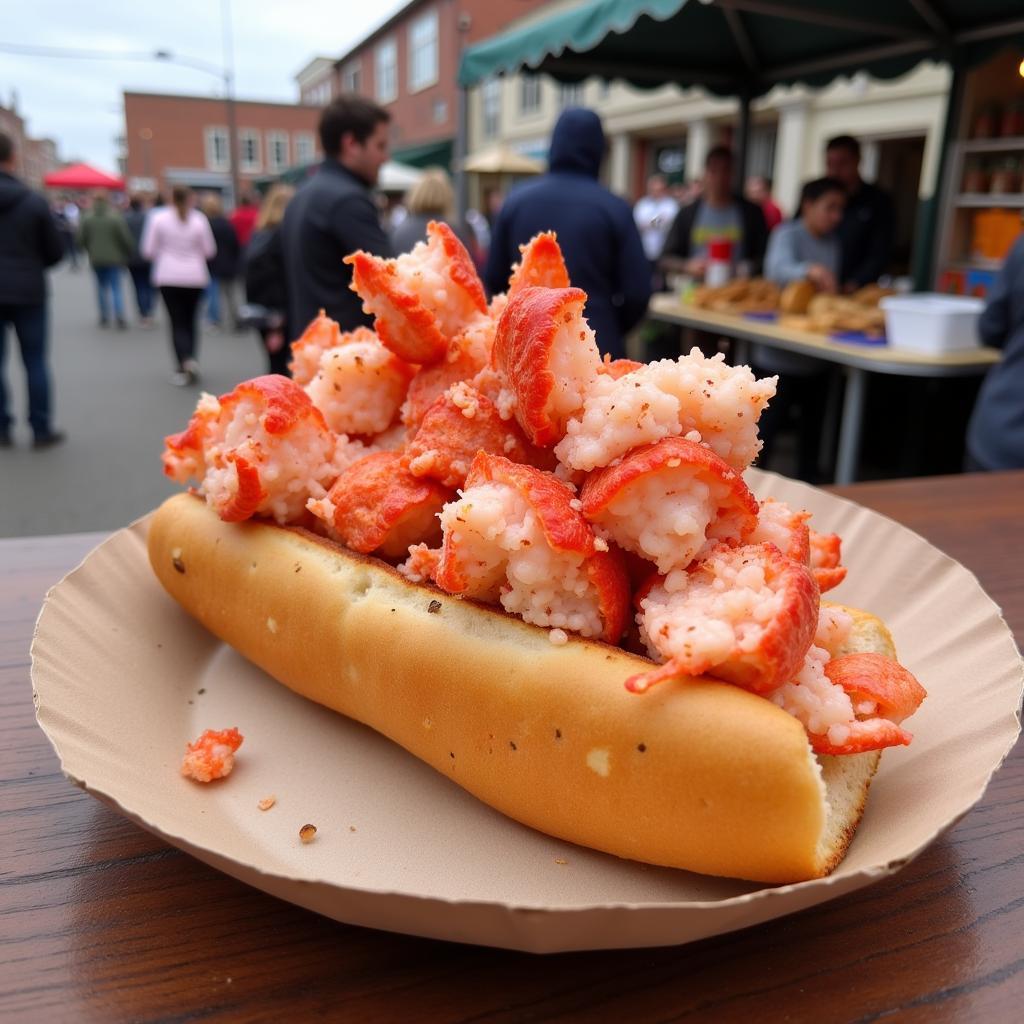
{"type": "Point", "coordinates": [103, 922]}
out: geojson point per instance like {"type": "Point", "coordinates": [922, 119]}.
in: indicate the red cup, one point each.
{"type": "Point", "coordinates": [720, 249]}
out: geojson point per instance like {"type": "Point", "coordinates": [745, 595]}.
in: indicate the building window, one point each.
{"type": "Point", "coordinates": [385, 59]}
{"type": "Point", "coordinates": [491, 106]}
{"type": "Point", "coordinates": [440, 111]}
{"type": "Point", "coordinates": [352, 76]}
{"type": "Point", "coordinates": [216, 149]}
{"type": "Point", "coordinates": [277, 151]}
{"type": "Point", "coordinates": [249, 149]}
{"type": "Point", "coordinates": [529, 94]}
{"type": "Point", "coordinates": [305, 150]}
{"type": "Point", "coordinates": [570, 94]}
{"type": "Point", "coordinates": [423, 51]}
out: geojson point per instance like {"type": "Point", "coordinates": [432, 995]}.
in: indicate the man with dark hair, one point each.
{"type": "Point", "coordinates": [868, 220]}
{"type": "Point", "coordinates": [29, 243]}
{"type": "Point", "coordinates": [600, 242]}
{"type": "Point", "coordinates": [719, 214]}
{"type": "Point", "coordinates": [333, 214]}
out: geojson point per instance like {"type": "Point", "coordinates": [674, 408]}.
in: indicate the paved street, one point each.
{"type": "Point", "coordinates": [114, 399]}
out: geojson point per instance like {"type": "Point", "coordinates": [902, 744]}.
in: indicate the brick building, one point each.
{"type": "Point", "coordinates": [409, 65]}
{"type": "Point", "coordinates": [183, 140]}
{"type": "Point", "coordinates": [33, 158]}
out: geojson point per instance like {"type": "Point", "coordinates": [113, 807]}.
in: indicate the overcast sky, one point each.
{"type": "Point", "coordinates": [78, 102]}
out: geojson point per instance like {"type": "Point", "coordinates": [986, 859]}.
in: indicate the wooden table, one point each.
{"type": "Point", "coordinates": [103, 922]}
{"type": "Point", "coordinates": [856, 361]}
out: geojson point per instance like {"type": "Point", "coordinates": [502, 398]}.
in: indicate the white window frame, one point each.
{"type": "Point", "coordinates": [211, 134]}
{"type": "Point", "coordinates": [352, 76]}
{"type": "Point", "coordinates": [304, 141]}
{"type": "Point", "coordinates": [529, 87]}
{"type": "Point", "coordinates": [570, 94]}
{"type": "Point", "coordinates": [272, 138]}
{"type": "Point", "coordinates": [385, 47]}
{"type": "Point", "coordinates": [490, 108]}
{"type": "Point", "coordinates": [246, 136]}
{"type": "Point", "coordinates": [426, 47]}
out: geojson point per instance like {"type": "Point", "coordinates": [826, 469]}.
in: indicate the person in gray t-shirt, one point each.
{"type": "Point", "coordinates": [805, 248]}
{"type": "Point", "coordinates": [808, 247]}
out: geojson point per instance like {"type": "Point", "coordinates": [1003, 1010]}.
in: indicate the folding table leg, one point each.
{"type": "Point", "coordinates": [850, 425]}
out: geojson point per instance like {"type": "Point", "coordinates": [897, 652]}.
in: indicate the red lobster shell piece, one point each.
{"type": "Point", "coordinates": [377, 506]}
{"type": "Point", "coordinates": [243, 432]}
{"type": "Point", "coordinates": [746, 615]}
{"type": "Point", "coordinates": [563, 530]}
{"type": "Point", "coordinates": [664, 501]}
{"type": "Point", "coordinates": [547, 356]}
{"type": "Point", "coordinates": [459, 424]}
{"type": "Point", "coordinates": [420, 299]}
{"type": "Point", "coordinates": [541, 265]}
{"type": "Point", "coordinates": [825, 555]}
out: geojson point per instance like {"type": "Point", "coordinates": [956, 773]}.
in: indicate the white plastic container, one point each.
{"type": "Point", "coordinates": [931, 323]}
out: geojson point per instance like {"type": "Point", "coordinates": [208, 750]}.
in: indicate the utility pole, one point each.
{"type": "Point", "coordinates": [229, 101]}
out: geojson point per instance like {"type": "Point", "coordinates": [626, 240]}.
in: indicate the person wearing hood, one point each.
{"type": "Point", "coordinates": [29, 244]}
{"type": "Point", "coordinates": [596, 231]}
{"type": "Point", "coordinates": [109, 245]}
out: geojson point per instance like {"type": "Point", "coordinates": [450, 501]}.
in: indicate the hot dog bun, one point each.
{"type": "Point", "coordinates": [702, 775]}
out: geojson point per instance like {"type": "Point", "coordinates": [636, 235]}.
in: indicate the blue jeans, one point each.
{"type": "Point", "coordinates": [29, 323]}
{"type": "Point", "coordinates": [213, 301]}
{"type": "Point", "coordinates": [145, 293]}
{"type": "Point", "coordinates": [109, 279]}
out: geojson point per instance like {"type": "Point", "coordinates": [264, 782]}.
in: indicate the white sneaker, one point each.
{"type": "Point", "coordinates": [191, 367]}
{"type": "Point", "coordinates": [181, 379]}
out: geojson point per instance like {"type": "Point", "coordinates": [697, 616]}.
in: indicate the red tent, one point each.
{"type": "Point", "coordinates": [82, 176]}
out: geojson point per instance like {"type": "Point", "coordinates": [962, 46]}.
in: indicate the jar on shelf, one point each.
{"type": "Point", "coordinates": [975, 177]}
{"type": "Point", "coordinates": [986, 122]}
{"type": "Point", "coordinates": [1005, 178]}
{"type": "Point", "coordinates": [1012, 124]}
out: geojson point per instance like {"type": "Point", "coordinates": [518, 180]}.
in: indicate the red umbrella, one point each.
{"type": "Point", "coordinates": [82, 176]}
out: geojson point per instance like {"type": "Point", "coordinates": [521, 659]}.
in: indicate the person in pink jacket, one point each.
{"type": "Point", "coordinates": [178, 241]}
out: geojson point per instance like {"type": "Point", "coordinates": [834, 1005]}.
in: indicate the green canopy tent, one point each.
{"type": "Point", "coordinates": [744, 48]}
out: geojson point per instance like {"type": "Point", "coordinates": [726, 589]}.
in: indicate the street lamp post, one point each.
{"type": "Point", "coordinates": [225, 75]}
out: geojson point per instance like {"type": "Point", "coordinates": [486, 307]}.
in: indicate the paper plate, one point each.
{"type": "Point", "coordinates": [123, 678]}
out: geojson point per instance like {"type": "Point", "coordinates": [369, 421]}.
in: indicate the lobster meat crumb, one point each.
{"type": "Point", "coordinates": [212, 756]}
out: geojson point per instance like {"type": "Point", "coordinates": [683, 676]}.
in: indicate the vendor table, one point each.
{"type": "Point", "coordinates": [103, 921]}
{"type": "Point", "coordinates": [856, 361]}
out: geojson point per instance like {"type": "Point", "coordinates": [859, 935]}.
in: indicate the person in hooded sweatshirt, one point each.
{"type": "Point", "coordinates": [29, 244]}
{"type": "Point", "coordinates": [596, 231]}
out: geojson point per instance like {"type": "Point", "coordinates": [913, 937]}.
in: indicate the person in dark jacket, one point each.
{"type": "Point", "coordinates": [138, 268]}
{"type": "Point", "coordinates": [600, 242]}
{"type": "Point", "coordinates": [868, 221]}
{"type": "Point", "coordinates": [29, 243]}
{"type": "Point", "coordinates": [718, 214]}
{"type": "Point", "coordinates": [995, 434]}
{"type": "Point", "coordinates": [265, 279]}
{"type": "Point", "coordinates": [223, 267]}
{"type": "Point", "coordinates": [333, 214]}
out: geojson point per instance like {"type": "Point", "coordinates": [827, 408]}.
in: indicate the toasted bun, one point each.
{"type": "Point", "coordinates": [702, 775]}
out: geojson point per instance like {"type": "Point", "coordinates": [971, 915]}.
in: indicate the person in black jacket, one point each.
{"type": "Point", "coordinates": [718, 214]}
{"type": "Point", "coordinates": [265, 279]}
{"type": "Point", "coordinates": [29, 243]}
{"type": "Point", "coordinates": [596, 231]}
{"type": "Point", "coordinates": [868, 220]}
{"type": "Point", "coordinates": [995, 435]}
{"type": "Point", "coordinates": [224, 265]}
{"type": "Point", "coordinates": [138, 268]}
{"type": "Point", "coordinates": [333, 214]}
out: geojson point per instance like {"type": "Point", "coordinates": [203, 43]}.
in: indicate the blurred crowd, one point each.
{"type": "Point", "coordinates": [269, 266]}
